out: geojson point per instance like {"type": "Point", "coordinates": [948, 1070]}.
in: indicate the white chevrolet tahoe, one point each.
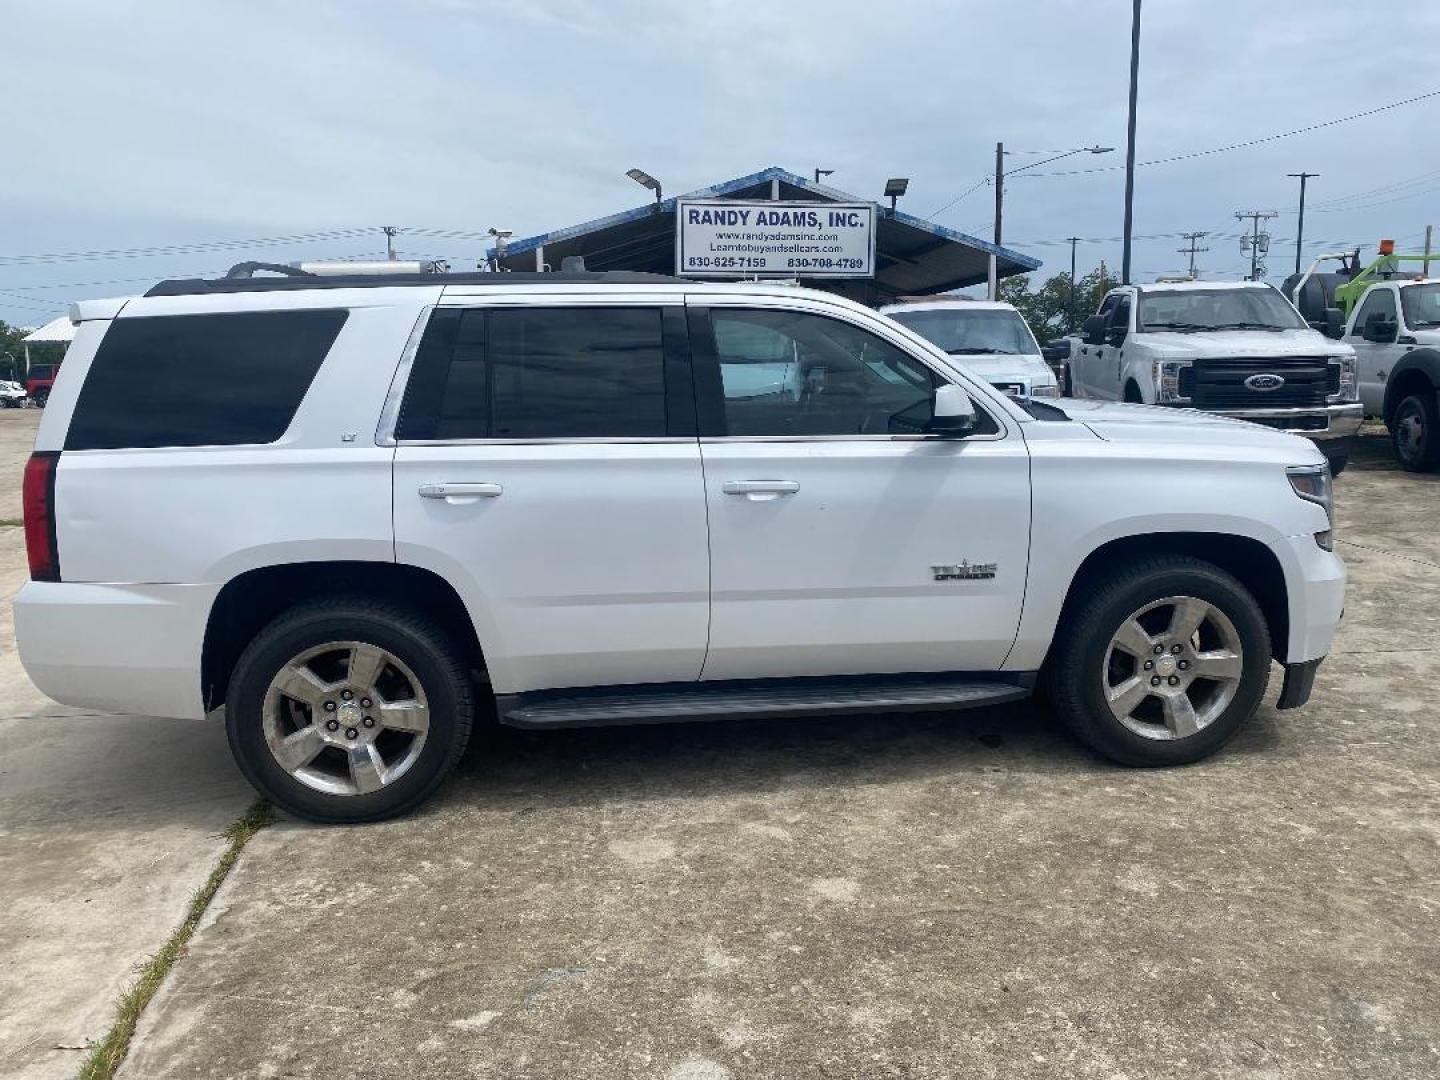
{"type": "Point", "coordinates": [1236, 348]}
{"type": "Point", "coordinates": [987, 336]}
{"type": "Point", "coordinates": [360, 512]}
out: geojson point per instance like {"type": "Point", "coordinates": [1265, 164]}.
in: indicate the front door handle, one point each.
{"type": "Point", "coordinates": [760, 490]}
{"type": "Point", "coordinates": [458, 494]}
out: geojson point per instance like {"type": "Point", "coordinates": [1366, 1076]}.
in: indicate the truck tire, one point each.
{"type": "Point", "coordinates": [1116, 677]}
{"type": "Point", "coordinates": [1337, 453]}
{"type": "Point", "coordinates": [349, 710]}
{"type": "Point", "coordinates": [1415, 431]}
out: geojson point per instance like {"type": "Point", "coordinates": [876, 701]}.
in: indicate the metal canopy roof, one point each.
{"type": "Point", "coordinates": [911, 255]}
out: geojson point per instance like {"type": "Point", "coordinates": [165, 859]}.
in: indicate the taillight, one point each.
{"type": "Point", "coordinates": [39, 503]}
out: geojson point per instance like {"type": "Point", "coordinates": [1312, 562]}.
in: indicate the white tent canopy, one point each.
{"type": "Point", "coordinates": [56, 330]}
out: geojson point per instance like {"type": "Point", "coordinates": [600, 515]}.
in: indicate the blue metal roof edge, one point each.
{"type": "Point", "coordinates": [773, 172]}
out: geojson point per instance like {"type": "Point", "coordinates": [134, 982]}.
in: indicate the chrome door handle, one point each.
{"type": "Point", "coordinates": [760, 490]}
{"type": "Point", "coordinates": [457, 493]}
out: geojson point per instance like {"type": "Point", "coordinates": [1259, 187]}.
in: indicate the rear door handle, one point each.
{"type": "Point", "coordinates": [760, 490]}
{"type": "Point", "coordinates": [460, 493]}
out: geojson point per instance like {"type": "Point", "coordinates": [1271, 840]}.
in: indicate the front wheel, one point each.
{"type": "Point", "coordinates": [1161, 663]}
{"type": "Point", "coordinates": [1415, 429]}
{"type": "Point", "coordinates": [349, 711]}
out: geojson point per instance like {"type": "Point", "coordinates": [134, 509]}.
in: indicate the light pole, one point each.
{"type": "Point", "coordinates": [822, 173]}
{"type": "Point", "coordinates": [1000, 193]}
{"type": "Point", "coordinates": [1300, 225]}
{"type": "Point", "coordinates": [1130, 142]}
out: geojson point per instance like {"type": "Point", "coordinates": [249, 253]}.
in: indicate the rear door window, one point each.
{"type": "Point", "coordinates": [538, 373]}
{"type": "Point", "coordinates": [226, 379]}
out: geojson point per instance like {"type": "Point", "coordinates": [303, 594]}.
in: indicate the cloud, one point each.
{"type": "Point", "coordinates": [178, 121]}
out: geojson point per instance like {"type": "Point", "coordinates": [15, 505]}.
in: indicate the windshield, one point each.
{"type": "Point", "coordinates": [1422, 305]}
{"type": "Point", "coordinates": [970, 332]}
{"type": "Point", "coordinates": [1190, 310]}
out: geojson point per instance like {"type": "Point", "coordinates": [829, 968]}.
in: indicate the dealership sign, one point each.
{"type": "Point", "coordinates": [721, 238]}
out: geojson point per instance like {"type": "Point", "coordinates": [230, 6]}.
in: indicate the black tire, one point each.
{"type": "Point", "coordinates": [1338, 458]}
{"type": "Point", "coordinates": [40, 397]}
{"type": "Point", "coordinates": [1076, 674]}
{"type": "Point", "coordinates": [1415, 431]}
{"type": "Point", "coordinates": [1133, 395]}
{"type": "Point", "coordinates": [435, 660]}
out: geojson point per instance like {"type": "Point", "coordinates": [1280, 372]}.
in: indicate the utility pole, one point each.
{"type": "Point", "coordinates": [1300, 226]}
{"type": "Point", "coordinates": [1192, 250]}
{"type": "Point", "coordinates": [1426, 271]}
{"type": "Point", "coordinates": [999, 213]}
{"type": "Point", "coordinates": [1130, 142]}
{"type": "Point", "coordinates": [389, 231]}
{"type": "Point", "coordinates": [1257, 244]}
{"type": "Point", "coordinates": [1070, 307]}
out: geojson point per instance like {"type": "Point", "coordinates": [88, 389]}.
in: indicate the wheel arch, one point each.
{"type": "Point", "coordinates": [252, 599]}
{"type": "Point", "coordinates": [1249, 560]}
{"type": "Point", "coordinates": [1417, 370]}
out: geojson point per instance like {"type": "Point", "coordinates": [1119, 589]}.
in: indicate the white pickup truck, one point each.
{"type": "Point", "coordinates": [1239, 349]}
{"type": "Point", "coordinates": [1393, 325]}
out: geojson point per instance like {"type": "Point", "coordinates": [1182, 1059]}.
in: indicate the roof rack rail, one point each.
{"type": "Point", "coordinates": [243, 270]}
{"type": "Point", "coordinates": [293, 279]}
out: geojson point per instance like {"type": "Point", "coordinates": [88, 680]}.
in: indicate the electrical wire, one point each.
{"type": "Point", "coordinates": [1247, 143]}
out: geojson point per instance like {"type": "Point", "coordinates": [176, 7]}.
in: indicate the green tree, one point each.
{"type": "Point", "coordinates": [1048, 309]}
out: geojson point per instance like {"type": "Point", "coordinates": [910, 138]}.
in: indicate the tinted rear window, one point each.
{"type": "Point", "coordinates": [538, 373]}
{"type": "Point", "coordinates": [200, 380]}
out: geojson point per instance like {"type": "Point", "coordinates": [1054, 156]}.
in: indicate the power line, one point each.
{"type": "Point", "coordinates": [1248, 142]}
{"type": "Point", "coordinates": [968, 191]}
{"type": "Point", "coordinates": [179, 249]}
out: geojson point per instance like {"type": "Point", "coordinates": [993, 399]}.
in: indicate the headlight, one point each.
{"type": "Point", "coordinates": [1169, 379]}
{"type": "Point", "coordinates": [1312, 483]}
{"type": "Point", "coordinates": [1343, 383]}
{"type": "Point", "coordinates": [1045, 391]}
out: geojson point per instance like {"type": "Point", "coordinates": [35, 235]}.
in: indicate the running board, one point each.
{"type": "Point", "coordinates": [675, 702]}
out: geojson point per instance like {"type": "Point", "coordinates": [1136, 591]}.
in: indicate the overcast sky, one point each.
{"type": "Point", "coordinates": [173, 122]}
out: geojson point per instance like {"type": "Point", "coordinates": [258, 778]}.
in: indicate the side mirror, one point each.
{"type": "Point", "coordinates": [953, 412]}
{"type": "Point", "coordinates": [1380, 328]}
{"type": "Point", "coordinates": [1332, 325]}
{"type": "Point", "coordinates": [1093, 330]}
{"type": "Point", "coordinates": [1056, 351]}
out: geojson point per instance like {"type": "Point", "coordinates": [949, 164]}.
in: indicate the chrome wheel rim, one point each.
{"type": "Point", "coordinates": [345, 718]}
{"type": "Point", "coordinates": [1172, 668]}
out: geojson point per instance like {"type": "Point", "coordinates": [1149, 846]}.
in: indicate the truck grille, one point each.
{"type": "Point", "coordinates": [1220, 384]}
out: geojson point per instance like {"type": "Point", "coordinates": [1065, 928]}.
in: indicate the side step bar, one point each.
{"type": "Point", "coordinates": [673, 702]}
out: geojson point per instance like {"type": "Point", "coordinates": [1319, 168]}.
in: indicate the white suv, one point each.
{"type": "Point", "coordinates": [987, 336]}
{"type": "Point", "coordinates": [354, 511]}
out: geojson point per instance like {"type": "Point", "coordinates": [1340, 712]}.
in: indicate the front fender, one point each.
{"type": "Point", "coordinates": [1426, 361]}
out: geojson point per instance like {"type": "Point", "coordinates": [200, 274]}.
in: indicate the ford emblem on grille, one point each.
{"type": "Point", "coordinates": [1265, 381]}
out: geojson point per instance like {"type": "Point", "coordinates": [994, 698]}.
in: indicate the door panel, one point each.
{"type": "Point", "coordinates": [589, 568]}
{"type": "Point", "coordinates": [837, 576]}
{"type": "Point", "coordinates": [843, 540]}
{"type": "Point", "coordinates": [546, 465]}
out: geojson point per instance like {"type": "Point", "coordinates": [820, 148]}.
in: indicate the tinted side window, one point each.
{"type": "Point", "coordinates": [1379, 302]}
{"type": "Point", "coordinates": [793, 373]}
{"type": "Point", "coordinates": [200, 380]}
{"type": "Point", "coordinates": [538, 373]}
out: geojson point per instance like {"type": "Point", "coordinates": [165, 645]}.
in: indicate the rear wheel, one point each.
{"type": "Point", "coordinates": [1162, 663]}
{"type": "Point", "coordinates": [348, 711]}
{"type": "Point", "coordinates": [1415, 430]}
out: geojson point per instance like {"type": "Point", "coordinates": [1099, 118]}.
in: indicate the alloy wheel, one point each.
{"type": "Point", "coordinates": [1172, 668]}
{"type": "Point", "coordinates": [345, 718]}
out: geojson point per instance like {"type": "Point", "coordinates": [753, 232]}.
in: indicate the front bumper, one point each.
{"type": "Point", "coordinates": [1322, 425]}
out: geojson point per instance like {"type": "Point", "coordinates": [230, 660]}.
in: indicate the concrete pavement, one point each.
{"type": "Point", "coordinates": [107, 825]}
{"type": "Point", "coordinates": [930, 896]}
